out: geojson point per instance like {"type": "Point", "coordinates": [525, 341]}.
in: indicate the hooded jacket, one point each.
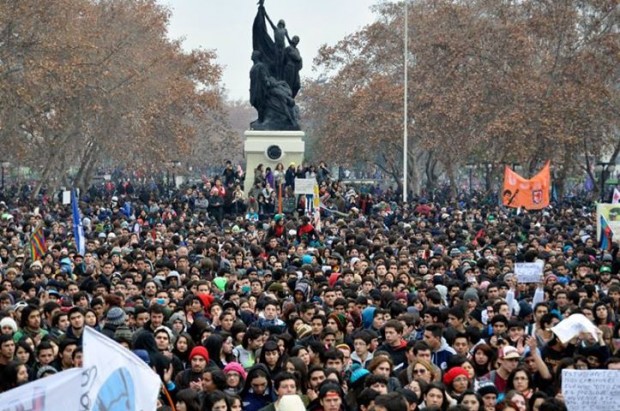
{"type": "Point", "coordinates": [252, 401]}
{"type": "Point", "coordinates": [442, 355]}
{"type": "Point", "coordinates": [367, 316]}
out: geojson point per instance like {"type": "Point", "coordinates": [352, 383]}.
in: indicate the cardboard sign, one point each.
{"type": "Point", "coordinates": [591, 390]}
{"type": "Point", "coordinates": [304, 185]}
{"type": "Point", "coordinates": [529, 272]}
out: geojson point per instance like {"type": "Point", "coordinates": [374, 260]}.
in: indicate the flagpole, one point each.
{"type": "Point", "coordinates": [280, 198]}
{"type": "Point", "coordinates": [405, 104]}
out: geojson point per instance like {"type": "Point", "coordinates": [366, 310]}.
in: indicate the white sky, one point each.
{"type": "Point", "coordinates": [226, 26]}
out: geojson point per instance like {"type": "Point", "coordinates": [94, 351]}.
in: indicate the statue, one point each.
{"type": "Point", "coordinates": [292, 66]}
{"type": "Point", "coordinates": [274, 77]}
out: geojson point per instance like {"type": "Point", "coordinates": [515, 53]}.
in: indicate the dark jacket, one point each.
{"type": "Point", "coordinates": [398, 354]}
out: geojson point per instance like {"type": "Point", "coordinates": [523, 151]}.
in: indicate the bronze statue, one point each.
{"type": "Point", "coordinates": [274, 77]}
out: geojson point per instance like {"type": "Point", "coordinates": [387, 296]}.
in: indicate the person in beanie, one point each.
{"type": "Point", "coordinates": [488, 393]}
{"type": "Point", "coordinates": [235, 377]}
{"type": "Point", "coordinates": [192, 377]}
{"type": "Point", "coordinates": [114, 318]}
{"type": "Point", "coordinates": [8, 326]}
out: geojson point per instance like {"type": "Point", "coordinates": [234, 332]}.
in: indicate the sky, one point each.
{"type": "Point", "coordinates": [226, 27]}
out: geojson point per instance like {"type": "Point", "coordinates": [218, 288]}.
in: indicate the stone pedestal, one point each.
{"type": "Point", "coordinates": [270, 148]}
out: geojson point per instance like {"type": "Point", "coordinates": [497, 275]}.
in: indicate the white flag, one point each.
{"type": "Point", "coordinates": [118, 379]}
{"type": "Point", "coordinates": [60, 391]}
{"type": "Point", "coordinates": [616, 198]}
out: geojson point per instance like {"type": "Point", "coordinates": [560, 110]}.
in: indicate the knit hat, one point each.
{"type": "Point", "coordinates": [201, 351]}
{"type": "Point", "coordinates": [290, 403]}
{"type": "Point", "coordinates": [276, 288]}
{"type": "Point", "coordinates": [123, 334]}
{"type": "Point", "coordinates": [303, 331]}
{"type": "Point", "coordinates": [306, 259]}
{"type": "Point", "coordinates": [453, 373]}
{"type": "Point", "coordinates": [549, 277]}
{"type": "Point", "coordinates": [115, 316]}
{"type": "Point", "coordinates": [46, 369]}
{"type": "Point", "coordinates": [8, 321]}
{"type": "Point", "coordinates": [36, 264]}
{"type": "Point", "coordinates": [359, 375]}
{"type": "Point", "coordinates": [487, 388]}
{"type": "Point", "coordinates": [235, 367]}
{"type": "Point", "coordinates": [168, 331]}
{"type": "Point", "coordinates": [476, 315]}
{"type": "Point", "coordinates": [340, 319]}
{"type": "Point", "coordinates": [143, 355]}
{"type": "Point", "coordinates": [471, 294]}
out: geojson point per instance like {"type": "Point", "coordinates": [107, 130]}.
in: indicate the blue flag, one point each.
{"type": "Point", "coordinates": [78, 230]}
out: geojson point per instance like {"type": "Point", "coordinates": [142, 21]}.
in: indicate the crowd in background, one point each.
{"type": "Point", "coordinates": [376, 306]}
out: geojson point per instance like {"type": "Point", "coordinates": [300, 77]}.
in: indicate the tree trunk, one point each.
{"type": "Point", "coordinates": [429, 170]}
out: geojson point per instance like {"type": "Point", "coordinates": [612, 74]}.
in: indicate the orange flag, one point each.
{"type": "Point", "coordinates": [532, 194]}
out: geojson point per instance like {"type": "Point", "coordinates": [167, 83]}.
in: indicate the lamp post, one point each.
{"type": "Point", "coordinates": [5, 165]}
{"type": "Point", "coordinates": [605, 168]}
{"type": "Point", "coordinates": [405, 97]}
{"type": "Point", "coordinates": [470, 167]}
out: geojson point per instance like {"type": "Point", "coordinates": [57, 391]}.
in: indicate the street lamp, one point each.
{"type": "Point", "coordinates": [470, 167]}
{"type": "Point", "coordinates": [605, 168]}
{"type": "Point", "coordinates": [5, 165]}
{"type": "Point", "coordinates": [405, 98]}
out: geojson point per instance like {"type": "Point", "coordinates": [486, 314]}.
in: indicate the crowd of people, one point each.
{"type": "Point", "coordinates": [382, 307]}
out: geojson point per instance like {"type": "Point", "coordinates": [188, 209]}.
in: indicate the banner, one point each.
{"type": "Point", "coordinates": [55, 392]}
{"type": "Point", "coordinates": [78, 230]}
{"type": "Point", "coordinates": [607, 224]}
{"type": "Point", "coordinates": [532, 194]}
{"type": "Point", "coordinates": [116, 375]}
{"type": "Point", "coordinates": [615, 199]}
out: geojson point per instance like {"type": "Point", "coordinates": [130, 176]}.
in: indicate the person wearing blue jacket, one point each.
{"type": "Point", "coordinates": [442, 352]}
{"type": "Point", "coordinates": [257, 391]}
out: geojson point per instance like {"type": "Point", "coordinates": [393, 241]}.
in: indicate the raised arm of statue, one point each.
{"type": "Point", "coordinates": [273, 26]}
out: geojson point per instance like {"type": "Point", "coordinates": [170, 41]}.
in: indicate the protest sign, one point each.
{"type": "Point", "coordinates": [572, 326]}
{"type": "Point", "coordinates": [610, 214]}
{"type": "Point", "coordinates": [55, 392]}
{"type": "Point", "coordinates": [591, 390]}
{"type": "Point", "coordinates": [304, 185]}
{"type": "Point", "coordinates": [529, 272]}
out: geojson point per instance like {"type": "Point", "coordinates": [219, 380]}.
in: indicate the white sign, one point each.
{"type": "Point", "coordinates": [56, 392]}
{"type": "Point", "coordinates": [304, 185]}
{"type": "Point", "coordinates": [591, 390]}
{"type": "Point", "coordinates": [570, 327]}
{"type": "Point", "coordinates": [529, 272]}
{"type": "Point", "coordinates": [66, 197]}
{"type": "Point", "coordinates": [116, 375]}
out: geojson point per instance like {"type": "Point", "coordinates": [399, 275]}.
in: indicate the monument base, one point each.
{"type": "Point", "coordinates": [270, 148]}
